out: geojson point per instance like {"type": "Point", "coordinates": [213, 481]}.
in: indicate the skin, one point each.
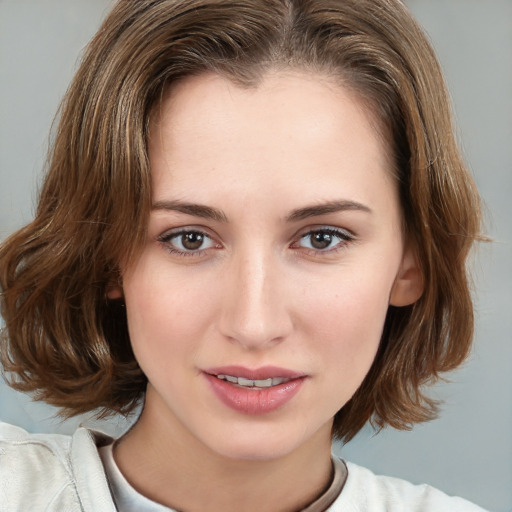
{"type": "Point", "coordinates": [256, 291]}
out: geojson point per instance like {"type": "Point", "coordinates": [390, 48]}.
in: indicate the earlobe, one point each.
{"type": "Point", "coordinates": [114, 292]}
{"type": "Point", "coordinates": [409, 283]}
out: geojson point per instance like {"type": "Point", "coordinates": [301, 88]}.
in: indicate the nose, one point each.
{"type": "Point", "coordinates": [255, 306]}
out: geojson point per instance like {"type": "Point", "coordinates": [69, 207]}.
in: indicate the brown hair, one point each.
{"type": "Point", "coordinates": [64, 340]}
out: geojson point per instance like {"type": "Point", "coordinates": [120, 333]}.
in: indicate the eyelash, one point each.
{"type": "Point", "coordinates": [166, 240]}
{"type": "Point", "coordinates": [345, 237]}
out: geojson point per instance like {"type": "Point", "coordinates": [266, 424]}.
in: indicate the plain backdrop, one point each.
{"type": "Point", "coordinates": [468, 451]}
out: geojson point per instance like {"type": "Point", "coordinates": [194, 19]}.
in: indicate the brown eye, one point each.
{"type": "Point", "coordinates": [192, 241]}
{"type": "Point", "coordinates": [322, 240]}
{"type": "Point", "coordinates": [187, 242]}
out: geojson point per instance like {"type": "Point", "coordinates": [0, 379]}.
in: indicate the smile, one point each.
{"type": "Point", "coordinates": [254, 391]}
{"type": "Point", "coordinates": [258, 383]}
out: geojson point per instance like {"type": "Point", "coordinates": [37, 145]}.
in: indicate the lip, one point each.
{"type": "Point", "coordinates": [264, 372]}
{"type": "Point", "coordinates": [254, 401]}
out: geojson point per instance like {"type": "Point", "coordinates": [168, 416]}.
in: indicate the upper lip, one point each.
{"type": "Point", "coordinates": [262, 373]}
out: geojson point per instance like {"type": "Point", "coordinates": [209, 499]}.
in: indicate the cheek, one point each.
{"type": "Point", "coordinates": [351, 300]}
{"type": "Point", "coordinates": [158, 298]}
{"type": "Point", "coordinates": [161, 309]}
{"type": "Point", "coordinates": [345, 320]}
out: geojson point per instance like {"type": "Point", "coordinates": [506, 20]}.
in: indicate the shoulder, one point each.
{"type": "Point", "coordinates": [14, 438]}
{"type": "Point", "coordinates": [366, 492]}
{"type": "Point", "coordinates": [44, 471]}
{"type": "Point", "coordinates": [35, 470]}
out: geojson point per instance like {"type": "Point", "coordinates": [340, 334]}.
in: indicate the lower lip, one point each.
{"type": "Point", "coordinates": [254, 400]}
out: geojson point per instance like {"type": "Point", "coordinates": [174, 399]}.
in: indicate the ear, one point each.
{"type": "Point", "coordinates": [114, 291]}
{"type": "Point", "coordinates": [409, 282]}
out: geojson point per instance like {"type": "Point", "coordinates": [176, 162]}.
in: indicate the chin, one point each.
{"type": "Point", "coordinates": [254, 451]}
{"type": "Point", "coordinates": [261, 443]}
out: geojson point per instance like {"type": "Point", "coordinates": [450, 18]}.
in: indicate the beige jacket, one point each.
{"type": "Point", "coordinates": [56, 473]}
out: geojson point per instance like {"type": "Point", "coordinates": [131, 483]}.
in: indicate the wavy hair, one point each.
{"type": "Point", "coordinates": [66, 342]}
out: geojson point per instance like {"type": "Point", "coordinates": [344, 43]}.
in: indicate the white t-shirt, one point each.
{"type": "Point", "coordinates": [56, 473]}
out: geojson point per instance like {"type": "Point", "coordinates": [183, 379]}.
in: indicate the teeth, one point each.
{"type": "Point", "coordinates": [245, 382]}
{"type": "Point", "coordinates": [249, 383]}
{"type": "Point", "coordinates": [263, 383]}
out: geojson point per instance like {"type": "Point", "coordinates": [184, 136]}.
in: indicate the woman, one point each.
{"type": "Point", "coordinates": [257, 218]}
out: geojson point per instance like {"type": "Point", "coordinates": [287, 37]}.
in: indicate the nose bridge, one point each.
{"type": "Point", "coordinates": [255, 312]}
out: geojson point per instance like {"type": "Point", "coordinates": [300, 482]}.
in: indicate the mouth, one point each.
{"type": "Point", "coordinates": [253, 392]}
{"type": "Point", "coordinates": [253, 383]}
{"type": "Point", "coordinates": [263, 377]}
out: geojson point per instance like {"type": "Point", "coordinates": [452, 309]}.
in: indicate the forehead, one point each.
{"type": "Point", "coordinates": [292, 126]}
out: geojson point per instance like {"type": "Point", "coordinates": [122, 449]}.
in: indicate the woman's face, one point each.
{"type": "Point", "coordinates": [274, 249]}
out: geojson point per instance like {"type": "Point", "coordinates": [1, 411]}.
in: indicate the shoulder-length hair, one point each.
{"type": "Point", "coordinates": [63, 338]}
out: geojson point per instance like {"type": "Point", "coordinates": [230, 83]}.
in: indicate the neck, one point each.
{"type": "Point", "coordinates": [165, 463]}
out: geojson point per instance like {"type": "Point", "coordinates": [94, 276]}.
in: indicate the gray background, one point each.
{"type": "Point", "coordinates": [468, 451]}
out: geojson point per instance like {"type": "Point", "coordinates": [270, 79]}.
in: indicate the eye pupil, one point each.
{"type": "Point", "coordinates": [192, 241]}
{"type": "Point", "coordinates": [321, 240]}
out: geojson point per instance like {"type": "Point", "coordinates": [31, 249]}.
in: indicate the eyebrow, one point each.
{"type": "Point", "coordinates": [197, 210]}
{"type": "Point", "coordinates": [207, 212]}
{"type": "Point", "coordinates": [325, 208]}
